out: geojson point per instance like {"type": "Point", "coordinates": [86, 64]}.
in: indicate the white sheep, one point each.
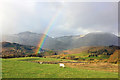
{"type": "Point", "coordinates": [62, 65]}
{"type": "Point", "coordinates": [41, 62]}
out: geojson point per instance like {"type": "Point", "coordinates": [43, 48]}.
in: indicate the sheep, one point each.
{"type": "Point", "coordinates": [41, 62]}
{"type": "Point", "coordinates": [62, 65]}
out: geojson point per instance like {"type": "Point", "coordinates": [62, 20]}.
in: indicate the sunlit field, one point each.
{"type": "Point", "coordinates": [21, 68]}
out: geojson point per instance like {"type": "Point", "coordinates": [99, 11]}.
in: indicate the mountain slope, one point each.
{"type": "Point", "coordinates": [65, 42]}
{"type": "Point", "coordinates": [91, 39]}
{"type": "Point", "coordinates": [97, 39]}
{"type": "Point", "coordinates": [33, 39]}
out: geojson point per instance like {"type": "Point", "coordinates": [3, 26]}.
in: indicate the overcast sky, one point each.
{"type": "Point", "coordinates": [73, 18]}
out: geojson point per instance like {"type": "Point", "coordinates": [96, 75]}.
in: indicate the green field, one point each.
{"type": "Point", "coordinates": [21, 68]}
{"type": "Point", "coordinates": [84, 55]}
{"type": "Point", "coordinates": [39, 59]}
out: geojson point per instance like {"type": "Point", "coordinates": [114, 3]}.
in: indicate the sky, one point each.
{"type": "Point", "coordinates": [62, 17]}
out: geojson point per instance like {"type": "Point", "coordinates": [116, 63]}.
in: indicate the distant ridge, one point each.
{"type": "Point", "coordinates": [64, 42]}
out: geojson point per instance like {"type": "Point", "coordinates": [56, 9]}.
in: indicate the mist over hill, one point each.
{"type": "Point", "coordinates": [64, 42]}
{"type": "Point", "coordinates": [91, 39]}
{"type": "Point", "coordinates": [33, 39]}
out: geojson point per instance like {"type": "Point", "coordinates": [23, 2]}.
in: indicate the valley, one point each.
{"type": "Point", "coordinates": [82, 56]}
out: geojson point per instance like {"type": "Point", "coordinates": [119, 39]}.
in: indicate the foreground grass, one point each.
{"type": "Point", "coordinates": [15, 68]}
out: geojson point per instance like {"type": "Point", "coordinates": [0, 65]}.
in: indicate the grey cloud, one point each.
{"type": "Point", "coordinates": [74, 17]}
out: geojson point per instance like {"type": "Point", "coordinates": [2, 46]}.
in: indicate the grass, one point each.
{"type": "Point", "coordinates": [83, 54]}
{"type": "Point", "coordinates": [38, 59]}
{"type": "Point", "coordinates": [94, 57]}
{"type": "Point", "coordinates": [15, 68]}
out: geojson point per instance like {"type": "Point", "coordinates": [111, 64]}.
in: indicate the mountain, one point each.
{"type": "Point", "coordinates": [97, 39]}
{"type": "Point", "coordinates": [33, 39]}
{"type": "Point", "coordinates": [91, 39]}
{"type": "Point", "coordinates": [64, 42]}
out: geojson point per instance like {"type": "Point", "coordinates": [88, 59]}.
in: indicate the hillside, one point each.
{"type": "Point", "coordinates": [91, 49]}
{"type": "Point", "coordinates": [115, 57]}
{"type": "Point", "coordinates": [10, 50]}
{"type": "Point", "coordinates": [16, 50]}
{"type": "Point", "coordinates": [109, 53]}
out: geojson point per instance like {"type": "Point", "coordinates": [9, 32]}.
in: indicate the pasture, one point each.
{"type": "Point", "coordinates": [21, 68]}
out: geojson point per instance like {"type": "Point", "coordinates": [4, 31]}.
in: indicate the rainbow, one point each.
{"type": "Point", "coordinates": [44, 36]}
